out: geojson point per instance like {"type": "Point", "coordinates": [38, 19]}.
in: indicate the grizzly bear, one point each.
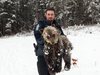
{"type": "Point", "coordinates": [56, 47]}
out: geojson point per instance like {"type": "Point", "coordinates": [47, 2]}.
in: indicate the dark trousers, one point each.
{"type": "Point", "coordinates": [42, 66]}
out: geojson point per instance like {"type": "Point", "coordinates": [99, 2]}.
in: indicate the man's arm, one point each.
{"type": "Point", "coordinates": [59, 27]}
{"type": "Point", "coordinates": [37, 33]}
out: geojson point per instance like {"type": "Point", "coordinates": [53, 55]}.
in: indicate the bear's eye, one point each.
{"type": "Point", "coordinates": [48, 37]}
{"type": "Point", "coordinates": [53, 35]}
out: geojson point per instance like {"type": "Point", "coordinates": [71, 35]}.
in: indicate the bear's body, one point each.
{"type": "Point", "coordinates": [57, 47]}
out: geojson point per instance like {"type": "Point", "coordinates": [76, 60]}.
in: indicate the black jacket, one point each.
{"type": "Point", "coordinates": [39, 39]}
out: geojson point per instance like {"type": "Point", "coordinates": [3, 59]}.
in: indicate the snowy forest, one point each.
{"type": "Point", "coordinates": [21, 15]}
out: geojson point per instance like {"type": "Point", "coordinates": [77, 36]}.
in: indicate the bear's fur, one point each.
{"type": "Point", "coordinates": [57, 47]}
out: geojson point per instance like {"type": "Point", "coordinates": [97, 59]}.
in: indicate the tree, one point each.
{"type": "Point", "coordinates": [24, 15]}
{"type": "Point", "coordinates": [0, 19]}
{"type": "Point", "coordinates": [7, 17]}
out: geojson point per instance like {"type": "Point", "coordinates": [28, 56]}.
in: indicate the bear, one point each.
{"type": "Point", "coordinates": [56, 48]}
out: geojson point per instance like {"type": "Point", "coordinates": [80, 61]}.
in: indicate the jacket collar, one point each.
{"type": "Point", "coordinates": [49, 23]}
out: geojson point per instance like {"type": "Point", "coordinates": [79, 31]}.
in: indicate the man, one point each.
{"type": "Point", "coordinates": [41, 64]}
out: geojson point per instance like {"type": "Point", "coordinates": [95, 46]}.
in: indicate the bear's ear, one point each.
{"type": "Point", "coordinates": [41, 30]}
{"type": "Point", "coordinates": [59, 32]}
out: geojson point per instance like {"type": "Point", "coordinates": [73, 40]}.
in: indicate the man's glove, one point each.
{"type": "Point", "coordinates": [36, 48]}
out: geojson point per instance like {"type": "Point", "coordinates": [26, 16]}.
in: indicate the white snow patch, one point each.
{"type": "Point", "coordinates": [17, 55]}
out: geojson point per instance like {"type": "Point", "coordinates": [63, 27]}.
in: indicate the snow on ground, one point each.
{"type": "Point", "coordinates": [17, 55]}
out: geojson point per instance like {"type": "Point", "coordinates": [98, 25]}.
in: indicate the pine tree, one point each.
{"type": "Point", "coordinates": [24, 16]}
{"type": "Point", "coordinates": [1, 20]}
{"type": "Point", "coordinates": [8, 17]}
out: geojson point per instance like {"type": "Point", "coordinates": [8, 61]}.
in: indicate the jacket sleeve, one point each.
{"type": "Point", "coordinates": [59, 27]}
{"type": "Point", "coordinates": [37, 34]}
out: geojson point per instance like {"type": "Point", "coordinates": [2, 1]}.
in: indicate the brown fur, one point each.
{"type": "Point", "coordinates": [54, 52]}
{"type": "Point", "coordinates": [50, 33]}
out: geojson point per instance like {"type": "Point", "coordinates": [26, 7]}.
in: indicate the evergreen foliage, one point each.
{"type": "Point", "coordinates": [21, 15]}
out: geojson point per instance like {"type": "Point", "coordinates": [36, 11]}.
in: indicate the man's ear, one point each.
{"type": "Point", "coordinates": [41, 30]}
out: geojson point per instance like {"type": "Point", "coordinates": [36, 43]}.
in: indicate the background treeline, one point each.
{"type": "Point", "coordinates": [21, 15]}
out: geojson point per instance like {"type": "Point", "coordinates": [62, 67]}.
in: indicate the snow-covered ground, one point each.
{"type": "Point", "coordinates": [17, 55]}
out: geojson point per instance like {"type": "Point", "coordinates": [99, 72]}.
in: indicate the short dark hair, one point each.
{"type": "Point", "coordinates": [50, 9]}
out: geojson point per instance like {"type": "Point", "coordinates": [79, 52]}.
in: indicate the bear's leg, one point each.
{"type": "Point", "coordinates": [52, 74]}
{"type": "Point", "coordinates": [58, 66]}
{"type": "Point", "coordinates": [67, 60]}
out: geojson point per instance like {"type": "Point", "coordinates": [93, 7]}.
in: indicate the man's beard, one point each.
{"type": "Point", "coordinates": [51, 21]}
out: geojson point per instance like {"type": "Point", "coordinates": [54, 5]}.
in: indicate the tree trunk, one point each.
{"type": "Point", "coordinates": [64, 16]}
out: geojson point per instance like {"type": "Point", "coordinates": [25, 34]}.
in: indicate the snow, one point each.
{"type": "Point", "coordinates": [17, 55]}
{"type": "Point", "coordinates": [3, 0]}
{"type": "Point", "coordinates": [3, 13]}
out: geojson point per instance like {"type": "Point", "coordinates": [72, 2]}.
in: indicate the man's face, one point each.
{"type": "Point", "coordinates": [50, 15]}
